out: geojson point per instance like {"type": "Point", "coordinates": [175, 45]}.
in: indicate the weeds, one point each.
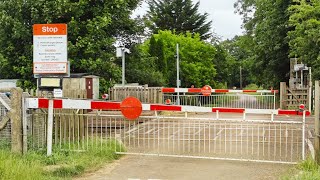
{"type": "Point", "coordinates": [306, 170]}
{"type": "Point", "coordinates": [62, 163]}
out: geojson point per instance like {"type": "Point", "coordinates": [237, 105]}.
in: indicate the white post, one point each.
{"type": "Point", "coordinates": [178, 78]}
{"type": "Point", "coordinates": [50, 128]}
{"type": "Point", "coordinates": [24, 126]}
{"type": "Point", "coordinates": [274, 99]}
{"type": "Point", "coordinates": [123, 66]}
{"type": "Point", "coordinates": [303, 134]}
{"type": "Point", "coordinates": [217, 114]}
{"type": "Point", "coordinates": [310, 90]}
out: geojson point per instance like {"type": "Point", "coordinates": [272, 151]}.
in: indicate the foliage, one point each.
{"type": "Point", "coordinates": [196, 58]}
{"type": "Point", "coordinates": [92, 29]}
{"type": "Point", "coordinates": [226, 67]}
{"type": "Point", "coordinates": [35, 164]}
{"type": "Point", "coordinates": [252, 87]}
{"type": "Point", "coordinates": [305, 35]}
{"type": "Point", "coordinates": [239, 48]}
{"type": "Point", "coordinates": [306, 170]}
{"type": "Point", "coordinates": [141, 68]}
{"type": "Point", "coordinates": [179, 16]}
{"type": "Point", "coordinates": [268, 28]}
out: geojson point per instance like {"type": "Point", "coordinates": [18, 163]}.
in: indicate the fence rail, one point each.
{"type": "Point", "coordinates": [144, 94]}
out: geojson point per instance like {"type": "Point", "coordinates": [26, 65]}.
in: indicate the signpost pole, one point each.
{"type": "Point", "coordinates": [123, 66]}
{"type": "Point", "coordinates": [178, 78]}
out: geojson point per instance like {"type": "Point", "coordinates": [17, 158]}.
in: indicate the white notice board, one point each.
{"type": "Point", "coordinates": [50, 54]}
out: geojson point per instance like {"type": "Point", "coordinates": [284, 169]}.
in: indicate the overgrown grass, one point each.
{"type": "Point", "coordinates": [61, 165]}
{"type": "Point", "coordinates": [306, 170]}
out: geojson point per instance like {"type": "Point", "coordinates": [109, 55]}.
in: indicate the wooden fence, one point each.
{"type": "Point", "coordinates": [292, 98]}
{"type": "Point", "coordinates": [144, 94]}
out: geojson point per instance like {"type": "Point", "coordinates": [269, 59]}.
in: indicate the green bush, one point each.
{"type": "Point", "coordinates": [253, 87]}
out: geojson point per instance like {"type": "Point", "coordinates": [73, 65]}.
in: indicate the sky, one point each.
{"type": "Point", "coordinates": [225, 22]}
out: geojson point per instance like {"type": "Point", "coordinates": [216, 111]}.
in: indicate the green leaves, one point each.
{"type": "Point", "coordinates": [93, 27]}
{"type": "Point", "coordinates": [196, 58]}
{"type": "Point", "coordinates": [179, 16]}
{"type": "Point", "coordinates": [305, 34]}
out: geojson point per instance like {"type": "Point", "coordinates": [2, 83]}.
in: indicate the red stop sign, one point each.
{"type": "Point", "coordinates": [206, 90]}
{"type": "Point", "coordinates": [301, 106]}
{"type": "Point", "coordinates": [131, 108]}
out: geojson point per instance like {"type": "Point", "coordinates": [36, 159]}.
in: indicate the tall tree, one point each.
{"type": "Point", "coordinates": [305, 35]}
{"type": "Point", "coordinates": [196, 58]}
{"type": "Point", "coordinates": [179, 16]}
{"type": "Point", "coordinates": [269, 27]}
{"type": "Point", "coordinates": [93, 27]}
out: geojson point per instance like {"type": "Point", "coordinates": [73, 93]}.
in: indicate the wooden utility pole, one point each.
{"type": "Point", "coordinates": [283, 93]}
{"type": "Point", "coordinates": [16, 120]}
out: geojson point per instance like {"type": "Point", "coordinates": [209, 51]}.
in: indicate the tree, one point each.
{"type": "Point", "coordinates": [93, 27]}
{"type": "Point", "coordinates": [240, 49]}
{"type": "Point", "coordinates": [179, 16]}
{"type": "Point", "coordinates": [196, 58]}
{"type": "Point", "coordinates": [141, 68]}
{"type": "Point", "coordinates": [304, 36]}
{"type": "Point", "coordinates": [268, 27]}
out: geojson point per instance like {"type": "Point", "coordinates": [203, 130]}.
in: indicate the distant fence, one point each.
{"type": "Point", "coordinates": [251, 99]}
{"type": "Point", "coordinates": [144, 94]}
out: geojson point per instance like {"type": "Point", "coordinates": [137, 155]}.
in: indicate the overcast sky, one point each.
{"type": "Point", "coordinates": [226, 23]}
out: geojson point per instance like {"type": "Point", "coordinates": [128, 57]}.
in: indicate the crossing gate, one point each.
{"type": "Point", "coordinates": [182, 131]}
{"type": "Point", "coordinates": [249, 99]}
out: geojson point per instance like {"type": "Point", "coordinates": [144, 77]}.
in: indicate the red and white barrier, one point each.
{"type": "Point", "coordinates": [38, 103]}
{"type": "Point", "coordinates": [198, 90]}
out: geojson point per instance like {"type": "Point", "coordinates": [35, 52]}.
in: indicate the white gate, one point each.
{"type": "Point", "coordinates": [236, 134]}
{"type": "Point", "coordinates": [249, 99]}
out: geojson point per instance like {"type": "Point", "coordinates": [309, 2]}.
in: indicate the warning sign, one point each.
{"type": "Point", "coordinates": [50, 49]}
{"type": "Point", "coordinates": [206, 90]}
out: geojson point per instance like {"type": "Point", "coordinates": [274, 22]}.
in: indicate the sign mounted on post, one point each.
{"type": "Point", "coordinates": [50, 49]}
{"type": "Point", "coordinates": [206, 90]}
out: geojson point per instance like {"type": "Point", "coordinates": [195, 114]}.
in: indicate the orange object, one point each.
{"type": "Point", "coordinates": [50, 29]}
{"type": "Point", "coordinates": [168, 101]}
{"type": "Point", "coordinates": [206, 90]}
{"type": "Point", "coordinates": [131, 108]}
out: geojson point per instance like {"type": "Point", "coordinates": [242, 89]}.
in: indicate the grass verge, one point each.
{"type": "Point", "coordinates": [306, 170]}
{"type": "Point", "coordinates": [63, 164]}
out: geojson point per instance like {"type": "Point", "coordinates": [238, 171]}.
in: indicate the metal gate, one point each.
{"type": "Point", "coordinates": [246, 136]}
{"type": "Point", "coordinates": [249, 99]}
{"type": "Point", "coordinates": [209, 138]}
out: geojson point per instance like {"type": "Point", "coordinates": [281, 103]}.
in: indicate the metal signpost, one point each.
{"type": "Point", "coordinates": [50, 64]}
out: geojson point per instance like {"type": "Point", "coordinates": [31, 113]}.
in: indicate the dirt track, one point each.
{"type": "Point", "coordinates": [143, 167]}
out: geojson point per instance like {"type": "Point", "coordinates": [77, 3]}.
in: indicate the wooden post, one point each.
{"type": "Point", "coordinates": [316, 121]}
{"type": "Point", "coordinates": [16, 120]}
{"type": "Point", "coordinates": [283, 92]}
